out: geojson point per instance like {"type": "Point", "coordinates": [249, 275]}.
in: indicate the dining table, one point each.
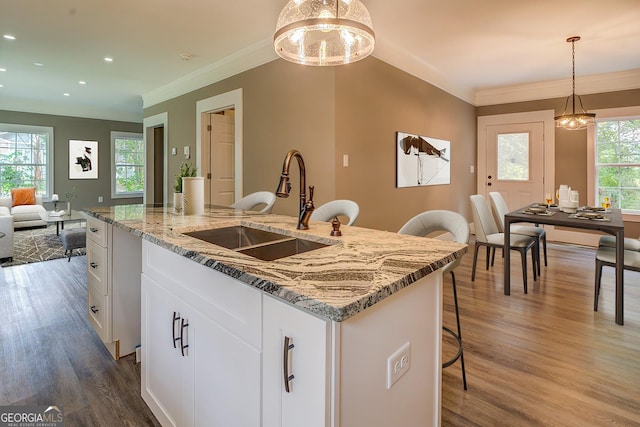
{"type": "Point", "coordinates": [609, 221]}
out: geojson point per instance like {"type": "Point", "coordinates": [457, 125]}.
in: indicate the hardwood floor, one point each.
{"type": "Point", "coordinates": [545, 358]}
{"type": "Point", "coordinates": [50, 355]}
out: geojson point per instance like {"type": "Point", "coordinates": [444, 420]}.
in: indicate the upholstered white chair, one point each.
{"type": "Point", "coordinates": [6, 233]}
{"type": "Point", "coordinates": [326, 212]}
{"type": "Point", "coordinates": [431, 222]}
{"type": "Point", "coordinates": [263, 199]}
{"type": "Point", "coordinates": [629, 243]}
{"type": "Point", "coordinates": [487, 234]}
{"type": "Point", "coordinates": [500, 209]}
{"type": "Point", "coordinates": [606, 256]}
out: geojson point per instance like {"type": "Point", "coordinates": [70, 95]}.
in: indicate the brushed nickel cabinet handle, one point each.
{"type": "Point", "coordinates": [183, 339]}
{"type": "Point", "coordinates": [176, 317]}
{"type": "Point", "coordinates": [288, 376]}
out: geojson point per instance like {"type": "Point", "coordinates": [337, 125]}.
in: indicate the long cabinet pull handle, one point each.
{"type": "Point", "coordinates": [93, 265]}
{"type": "Point", "coordinates": [176, 317]}
{"type": "Point", "coordinates": [93, 230]}
{"type": "Point", "coordinates": [183, 339]}
{"type": "Point", "coordinates": [94, 310]}
{"type": "Point", "coordinates": [288, 376]}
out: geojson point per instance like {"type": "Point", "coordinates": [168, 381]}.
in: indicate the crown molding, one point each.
{"type": "Point", "coordinates": [599, 83]}
{"type": "Point", "coordinates": [240, 61]}
{"type": "Point", "coordinates": [72, 110]}
{"type": "Point", "coordinates": [404, 60]}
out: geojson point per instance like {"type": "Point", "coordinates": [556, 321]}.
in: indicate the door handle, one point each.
{"type": "Point", "coordinates": [286, 364]}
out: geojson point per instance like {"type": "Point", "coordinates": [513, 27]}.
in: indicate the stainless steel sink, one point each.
{"type": "Point", "coordinates": [264, 245]}
{"type": "Point", "coordinates": [281, 249]}
{"type": "Point", "coordinates": [236, 237]}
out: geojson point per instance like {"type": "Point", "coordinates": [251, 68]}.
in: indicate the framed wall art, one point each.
{"type": "Point", "coordinates": [83, 159]}
{"type": "Point", "coordinates": [422, 160]}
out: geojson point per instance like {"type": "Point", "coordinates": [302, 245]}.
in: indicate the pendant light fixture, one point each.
{"type": "Point", "coordinates": [324, 32]}
{"type": "Point", "coordinates": [580, 120]}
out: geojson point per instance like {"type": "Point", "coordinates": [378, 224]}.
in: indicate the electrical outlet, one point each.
{"type": "Point", "coordinates": [398, 364]}
{"type": "Point", "coordinates": [100, 199]}
{"type": "Point", "coordinates": [345, 160]}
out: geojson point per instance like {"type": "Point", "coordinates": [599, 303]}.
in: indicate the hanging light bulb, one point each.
{"type": "Point", "coordinates": [334, 32]}
{"type": "Point", "coordinates": [580, 120]}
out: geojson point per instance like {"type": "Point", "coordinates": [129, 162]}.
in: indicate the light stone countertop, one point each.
{"type": "Point", "coordinates": [359, 269]}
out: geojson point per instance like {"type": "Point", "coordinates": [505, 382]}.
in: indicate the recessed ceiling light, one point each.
{"type": "Point", "coordinates": [3, 69]}
{"type": "Point", "coordinates": [82, 82]}
{"type": "Point", "coordinates": [108, 59]}
{"type": "Point", "coordinates": [66, 94]}
{"type": "Point", "coordinates": [38, 64]}
{"type": "Point", "coordinates": [9, 37]}
{"type": "Point", "coordinates": [1, 85]}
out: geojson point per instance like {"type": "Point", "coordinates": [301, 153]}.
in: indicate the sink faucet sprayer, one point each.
{"type": "Point", "coordinates": [284, 187]}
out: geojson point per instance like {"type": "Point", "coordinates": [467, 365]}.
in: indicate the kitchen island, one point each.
{"type": "Point", "coordinates": [347, 334]}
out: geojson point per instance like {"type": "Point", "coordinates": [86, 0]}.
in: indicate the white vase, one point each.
{"type": "Point", "coordinates": [177, 202]}
{"type": "Point", "coordinates": [193, 195]}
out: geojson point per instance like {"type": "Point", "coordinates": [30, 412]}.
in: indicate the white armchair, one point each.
{"type": "Point", "coordinates": [6, 233]}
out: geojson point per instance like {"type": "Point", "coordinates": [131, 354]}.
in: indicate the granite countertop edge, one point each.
{"type": "Point", "coordinates": [334, 310]}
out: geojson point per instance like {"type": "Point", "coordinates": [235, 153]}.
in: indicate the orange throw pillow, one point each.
{"type": "Point", "coordinates": [23, 196]}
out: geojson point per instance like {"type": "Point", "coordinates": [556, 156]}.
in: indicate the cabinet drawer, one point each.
{"type": "Point", "coordinates": [97, 231]}
{"type": "Point", "coordinates": [97, 312]}
{"type": "Point", "coordinates": [97, 267]}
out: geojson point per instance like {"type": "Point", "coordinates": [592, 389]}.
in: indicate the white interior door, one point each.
{"type": "Point", "coordinates": [221, 173]}
{"type": "Point", "coordinates": [516, 156]}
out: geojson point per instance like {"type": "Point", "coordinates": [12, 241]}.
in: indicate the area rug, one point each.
{"type": "Point", "coordinates": [38, 244]}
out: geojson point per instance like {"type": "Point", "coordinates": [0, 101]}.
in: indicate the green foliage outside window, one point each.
{"type": "Point", "coordinates": [23, 161]}
{"type": "Point", "coordinates": [513, 156]}
{"type": "Point", "coordinates": [618, 162]}
{"type": "Point", "coordinates": [129, 165]}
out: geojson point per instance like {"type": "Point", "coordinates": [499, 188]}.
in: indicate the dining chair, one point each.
{"type": "Point", "coordinates": [630, 244]}
{"type": "Point", "coordinates": [500, 209]}
{"type": "Point", "coordinates": [487, 234]}
{"type": "Point", "coordinates": [606, 256]}
{"type": "Point", "coordinates": [326, 212]}
{"type": "Point", "coordinates": [425, 224]}
{"type": "Point", "coordinates": [254, 200]}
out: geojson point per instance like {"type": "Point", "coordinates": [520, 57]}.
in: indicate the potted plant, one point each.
{"type": "Point", "coordinates": [186, 170]}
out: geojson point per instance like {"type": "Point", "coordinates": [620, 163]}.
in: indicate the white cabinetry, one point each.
{"type": "Point", "coordinates": [113, 293]}
{"type": "Point", "coordinates": [297, 361]}
{"type": "Point", "coordinates": [201, 341]}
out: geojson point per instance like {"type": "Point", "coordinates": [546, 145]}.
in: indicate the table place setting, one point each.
{"type": "Point", "coordinates": [591, 215]}
{"type": "Point", "coordinates": [538, 210]}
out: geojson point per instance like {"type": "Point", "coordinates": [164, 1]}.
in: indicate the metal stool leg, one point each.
{"type": "Point", "coordinates": [457, 337]}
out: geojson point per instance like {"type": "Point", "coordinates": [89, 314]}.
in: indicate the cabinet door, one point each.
{"type": "Point", "coordinates": [166, 372]}
{"type": "Point", "coordinates": [226, 384]}
{"type": "Point", "coordinates": [308, 362]}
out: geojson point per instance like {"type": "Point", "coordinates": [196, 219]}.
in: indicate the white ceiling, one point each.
{"type": "Point", "coordinates": [483, 51]}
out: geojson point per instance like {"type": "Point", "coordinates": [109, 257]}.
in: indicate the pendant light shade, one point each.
{"type": "Point", "coordinates": [582, 119]}
{"type": "Point", "coordinates": [324, 32]}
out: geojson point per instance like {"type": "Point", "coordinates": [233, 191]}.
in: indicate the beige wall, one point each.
{"type": "Point", "coordinates": [327, 112]}
{"type": "Point", "coordinates": [571, 146]}
{"type": "Point", "coordinates": [80, 192]}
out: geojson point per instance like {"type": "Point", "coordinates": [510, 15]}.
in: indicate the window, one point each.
{"type": "Point", "coordinates": [617, 162]}
{"type": "Point", "coordinates": [513, 156]}
{"type": "Point", "coordinates": [26, 158]}
{"type": "Point", "coordinates": [127, 162]}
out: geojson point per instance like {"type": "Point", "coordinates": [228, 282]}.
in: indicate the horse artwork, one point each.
{"type": "Point", "coordinates": [422, 160]}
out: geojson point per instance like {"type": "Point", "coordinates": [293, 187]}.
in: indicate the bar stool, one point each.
{"type": "Point", "coordinates": [425, 224]}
